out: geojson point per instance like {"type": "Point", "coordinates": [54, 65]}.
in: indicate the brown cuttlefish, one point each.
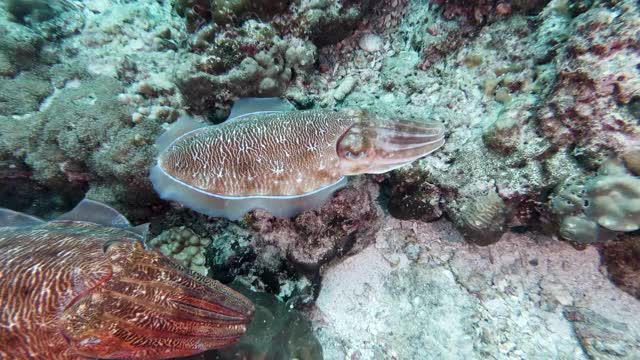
{"type": "Point", "coordinates": [267, 156]}
{"type": "Point", "coordinates": [83, 286]}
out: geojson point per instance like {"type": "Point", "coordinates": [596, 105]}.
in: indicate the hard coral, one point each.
{"type": "Point", "coordinates": [596, 208]}
{"type": "Point", "coordinates": [614, 202]}
{"type": "Point", "coordinates": [185, 246]}
{"type": "Point", "coordinates": [251, 62]}
{"type": "Point", "coordinates": [482, 220]}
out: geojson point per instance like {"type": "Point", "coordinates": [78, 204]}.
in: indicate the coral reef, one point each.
{"type": "Point", "coordinates": [280, 256]}
{"type": "Point", "coordinates": [588, 107]}
{"type": "Point", "coordinates": [84, 134]}
{"type": "Point", "coordinates": [19, 48]}
{"type": "Point", "coordinates": [481, 11]}
{"type": "Point", "coordinates": [250, 61]}
{"type": "Point", "coordinates": [541, 102]}
{"type": "Point", "coordinates": [323, 22]}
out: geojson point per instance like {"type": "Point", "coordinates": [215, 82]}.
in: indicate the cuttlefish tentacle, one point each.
{"type": "Point", "coordinates": [282, 161]}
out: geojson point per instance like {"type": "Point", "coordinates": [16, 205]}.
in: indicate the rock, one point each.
{"type": "Point", "coordinates": [316, 237]}
{"type": "Point", "coordinates": [622, 259]}
{"type": "Point", "coordinates": [371, 42]}
{"type": "Point", "coordinates": [346, 86]}
{"type": "Point", "coordinates": [519, 298]}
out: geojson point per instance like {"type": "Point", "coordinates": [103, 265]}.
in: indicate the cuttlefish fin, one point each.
{"type": "Point", "coordinates": [10, 218]}
{"type": "Point", "coordinates": [248, 106]}
{"type": "Point", "coordinates": [182, 126]}
{"type": "Point", "coordinates": [141, 230]}
{"type": "Point", "coordinates": [96, 212]}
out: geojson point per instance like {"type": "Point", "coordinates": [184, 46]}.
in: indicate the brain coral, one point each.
{"type": "Point", "coordinates": [483, 219]}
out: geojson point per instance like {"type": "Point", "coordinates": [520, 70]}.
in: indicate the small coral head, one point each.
{"type": "Point", "coordinates": [151, 308]}
{"type": "Point", "coordinates": [376, 145]}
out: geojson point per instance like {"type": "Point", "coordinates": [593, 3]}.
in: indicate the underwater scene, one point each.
{"type": "Point", "coordinates": [319, 179]}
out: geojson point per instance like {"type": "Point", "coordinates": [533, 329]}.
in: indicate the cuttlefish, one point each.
{"type": "Point", "coordinates": [84, 286]}
{"type": "Point", "coordinates": [268, 156]}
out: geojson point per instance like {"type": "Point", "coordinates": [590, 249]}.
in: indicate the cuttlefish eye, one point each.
{"type": "Point", "coordinates": [354, 143]}
{"type": "Point", "coordinates": [353, 156]}
{"type": "Point", "coordinates": [109, 243]}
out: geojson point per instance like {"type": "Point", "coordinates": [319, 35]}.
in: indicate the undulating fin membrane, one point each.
{"type": "Point", "coordinates": [182, 126]}
{"type": "Point", "coordinates": [141, 230]}
{"type": "Point", "coordinates": [97, 213]}
{"type": "Point", "coordinates": [247, 106]}
{"type": "Point", "coordinates": [10, 218]}
{"type": "Point", "coordinates": [234, 207]}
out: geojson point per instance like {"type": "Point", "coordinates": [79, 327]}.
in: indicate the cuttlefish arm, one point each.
{"type": "Point", "coordinates": [375, 145]}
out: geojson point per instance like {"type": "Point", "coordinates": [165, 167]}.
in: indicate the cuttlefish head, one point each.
{"type": "Point", "coordinates": [375, 144]}
{"type": "Point", "coordinates": [148, 307]}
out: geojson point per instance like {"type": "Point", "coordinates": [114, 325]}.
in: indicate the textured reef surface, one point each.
{"type": "Point", "coordinates": [518, 239]}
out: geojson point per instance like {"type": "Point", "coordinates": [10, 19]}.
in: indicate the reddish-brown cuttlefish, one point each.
{"type": "Point", "coordinates": [267, 156]}
{"type": "Point", "coordinates": [84, 286]}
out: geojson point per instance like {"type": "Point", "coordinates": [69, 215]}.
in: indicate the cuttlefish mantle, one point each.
{"type": "Point", "coordinates": [268, 156]}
